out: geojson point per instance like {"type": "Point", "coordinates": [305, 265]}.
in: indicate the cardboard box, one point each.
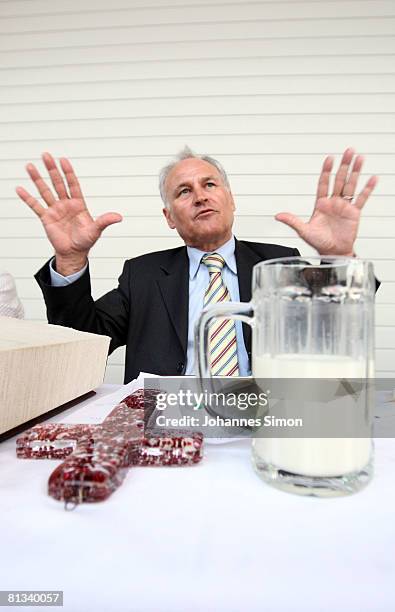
{"type": "Point", "coordinates": [43, 366]}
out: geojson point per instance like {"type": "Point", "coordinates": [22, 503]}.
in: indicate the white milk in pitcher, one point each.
{"type": "Point", "coordinates": [322, 457]}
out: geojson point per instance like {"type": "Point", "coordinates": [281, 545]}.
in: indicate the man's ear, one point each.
{"type": "Point", "coordinates": [168, 217]}
{"type": "Point", "coordinates": [232, 200]}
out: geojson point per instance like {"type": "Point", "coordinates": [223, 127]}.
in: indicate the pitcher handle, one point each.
{"type": "Point", "coordinates": [223, 310]}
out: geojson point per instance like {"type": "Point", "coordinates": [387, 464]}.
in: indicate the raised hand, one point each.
{"type": "Point", "coordinates": [333, 226]}
{"type": "Point", "coordinates": [67, 221]}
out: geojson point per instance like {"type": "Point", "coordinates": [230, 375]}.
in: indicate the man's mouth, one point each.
{"type": "Point", "coordinates": [206, 212]}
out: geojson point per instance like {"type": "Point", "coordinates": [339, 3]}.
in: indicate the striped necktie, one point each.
{"type": "Point", "coordinates": [223, 348]}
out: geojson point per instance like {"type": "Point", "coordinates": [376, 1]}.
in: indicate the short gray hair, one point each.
{"type": "Point", "coordinates": [187, 153]}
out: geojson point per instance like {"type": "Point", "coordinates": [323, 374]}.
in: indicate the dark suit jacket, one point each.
{"type": "Point", "coordinates": [148, 311]}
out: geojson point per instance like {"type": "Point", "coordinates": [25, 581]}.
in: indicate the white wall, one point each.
{"type": "Point", "coordinates": [269, 88]}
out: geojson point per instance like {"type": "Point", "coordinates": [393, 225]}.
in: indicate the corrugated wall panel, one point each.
{"type": "Point", "coordinates": [269, 88]}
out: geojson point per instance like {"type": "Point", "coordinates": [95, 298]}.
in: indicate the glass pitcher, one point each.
{"type": "Point", "coordinates": [312, 324]}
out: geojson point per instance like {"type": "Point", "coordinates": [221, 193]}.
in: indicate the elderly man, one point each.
{"type": "Point", "coordinates": [160, 295]}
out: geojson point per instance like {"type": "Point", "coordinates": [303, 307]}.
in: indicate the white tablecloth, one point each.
{"type": "Point", "coordinates": [208, 538]}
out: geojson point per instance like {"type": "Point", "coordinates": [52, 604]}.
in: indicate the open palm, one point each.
{"type": "Point", "coordinates": [67, 221]}
{"type": "Point", "coordinates": [333, 226]}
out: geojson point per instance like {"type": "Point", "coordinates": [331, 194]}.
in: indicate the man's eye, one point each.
{"type": "Point", "coordinates": [184, 191]}
{"type": "Point", "coordinates": [210, 184]}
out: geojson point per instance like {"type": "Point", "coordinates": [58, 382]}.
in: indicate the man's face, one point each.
{"type": "Point", "coordinates": [201, 208]}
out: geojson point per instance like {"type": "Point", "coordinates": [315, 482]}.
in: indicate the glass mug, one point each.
{"type": "Point", "coordinates": [312, 323]}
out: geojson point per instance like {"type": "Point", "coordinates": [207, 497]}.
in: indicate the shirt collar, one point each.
{"type": "Point", "coordinates": [227, 251]}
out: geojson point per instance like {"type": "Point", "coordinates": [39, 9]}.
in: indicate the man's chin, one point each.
{"type": "Point", "coordinates": [208, 238]}
{"type": "Point", "coordinates": [210, 223]}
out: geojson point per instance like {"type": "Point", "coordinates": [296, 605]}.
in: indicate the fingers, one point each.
{"type": "Point", "coordinates": [40, 184]}
{"type": "Point", "coordinates": [351, 184]}
{"type": "Point", "coordinates": [342, 173]}
{"type": "Point", "coordinates": [323, 181]}
{"type": "Point", "coordinates": [107, 219]}
{"type": "Point", "coordinates": [72, 181]}
{"type": "Point", "coordinates": [292, 221]}
{"type": "Point", "coordinates": [365, 193]}
{"type": "Point", "coordinates": [56, 177]}
{"type": "Point", "coordinates": [30, 201]}
{"type": "Point", "coordinates": [346, 183]}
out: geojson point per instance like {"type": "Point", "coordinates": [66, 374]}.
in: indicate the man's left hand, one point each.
{"type": "Point", "coordinates": [333, 226]}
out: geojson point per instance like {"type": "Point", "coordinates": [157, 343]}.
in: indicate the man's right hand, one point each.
{"type": "Point", "coordinates": [66, 219]}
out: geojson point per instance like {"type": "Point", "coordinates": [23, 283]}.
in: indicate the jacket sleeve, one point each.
{"type": "Point", "coordinates": [73, 306]}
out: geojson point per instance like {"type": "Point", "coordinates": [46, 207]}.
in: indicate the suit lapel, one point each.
{"type": "Point", "coordinates": [173, 281]}
{"type": "Point", "coordinates": [246, 259]}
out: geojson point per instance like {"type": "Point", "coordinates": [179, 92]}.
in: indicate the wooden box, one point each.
{"type": "Point", "coordinates": [44, 366]}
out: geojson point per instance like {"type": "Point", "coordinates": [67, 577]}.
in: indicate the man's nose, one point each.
{"type": "Point", "coordinates": [200, 195]}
